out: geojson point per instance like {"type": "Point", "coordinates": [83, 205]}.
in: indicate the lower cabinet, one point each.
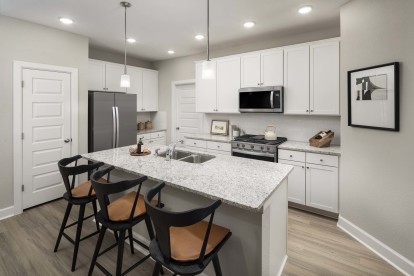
{"type": "Point", "coordinates": [155, 138]}
{"type": "Point", "coordinates": [314, 180]}
{"type": "Point", "coordinates": [211, 147]}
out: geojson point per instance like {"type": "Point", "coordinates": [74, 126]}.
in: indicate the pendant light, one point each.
{"type": "Point", "coordinates": [208, 67]}
{"type": "Point", "coordinates": [125, 79]}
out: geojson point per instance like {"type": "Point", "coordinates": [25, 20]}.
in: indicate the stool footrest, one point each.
{"type": "Point", "coordinates": [76, 222]}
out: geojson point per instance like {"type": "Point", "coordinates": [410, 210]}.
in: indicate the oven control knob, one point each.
{"type": "Point", "coordinates": [242, 146]}
{"type": "Point", "coordinates": [261, 148]}
{"type": "Point", "coordinates": [252, 147]}
{"type": "Point", "coordinates": [238, 145]}
{"type": "Point", "coordinates": [268, 148]}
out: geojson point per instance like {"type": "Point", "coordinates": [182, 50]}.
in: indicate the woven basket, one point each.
{"type": "Point", "coordinates": [323, 142]}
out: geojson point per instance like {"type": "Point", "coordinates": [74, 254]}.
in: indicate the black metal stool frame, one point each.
{"type": "Point", "coordinates": [102, 193]}
{"type": "Point", "coordinates": [72, 172]}
{"type": "Point", "coordinates": [160, 249]}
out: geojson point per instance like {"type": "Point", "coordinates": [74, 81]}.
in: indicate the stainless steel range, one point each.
{"type": "Point", "coordinates": [256, 147]}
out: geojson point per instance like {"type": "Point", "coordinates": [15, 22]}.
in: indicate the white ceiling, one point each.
{"type": "Point", "coordinates": [160, 25]}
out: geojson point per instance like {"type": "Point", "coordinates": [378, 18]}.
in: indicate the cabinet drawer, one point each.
{"type": "Point", "coordinates": [157, 134]}
{"type": "Point", "coordinates": [145, 136]}
{"type": "Point", "coordinates": [322, 159]}
{"type": "Point", "coordinates": [195, 143]}
{"type": "Point", "coordinates": [292, 155]}
{"type": "Point", "coordinates": [219, 146]}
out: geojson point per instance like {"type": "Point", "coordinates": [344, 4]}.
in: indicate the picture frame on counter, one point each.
{"type": "Point", "coordinates": [373, 97]}
{"type": "Point", "coordinates": [219, 127]}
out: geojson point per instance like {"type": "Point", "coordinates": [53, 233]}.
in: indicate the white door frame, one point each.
{"type": "Point", "coordinates": [18, 67]}
{"type": "Point", "coordinates": [174, 85]}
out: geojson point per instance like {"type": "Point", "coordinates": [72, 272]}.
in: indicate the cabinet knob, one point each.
{"type": "Point", "coordinates": [311, 110]}
{"type": "Point", "coordinates": [291, 155]}
{"type": "Point", "coordinates": [218, 146]}
{"type": "Point", "coordinates": [303, 167]}
{"type": "Point", "coordinates": [307, 167]}
{"type": "Point", "coordinates": [195, 143]}
{"type": "Point", "coordinates": [321, 160]}
{"type": "Point", "coordinates": [307, 110]}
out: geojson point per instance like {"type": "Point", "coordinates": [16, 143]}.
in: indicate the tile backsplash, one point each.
{"type": "Point", "coordinates": [294, 127]}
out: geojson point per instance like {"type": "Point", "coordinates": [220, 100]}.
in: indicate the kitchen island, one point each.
{"type": "Point", "coordinates": [254, 196]}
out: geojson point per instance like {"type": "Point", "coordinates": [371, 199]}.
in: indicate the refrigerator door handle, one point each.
{"type": "Point", "coordinates": [117, 126]}
{"type": "Point", "coordinates": [114, 127]}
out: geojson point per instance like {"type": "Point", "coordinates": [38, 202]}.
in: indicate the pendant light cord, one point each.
{"type": "Point", "coordinates": [125, 39]}
{"type": "Point", "coordinates": [208, 30]}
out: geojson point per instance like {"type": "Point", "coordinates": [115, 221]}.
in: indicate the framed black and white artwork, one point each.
{"type": "Point", "coordinates": [373, 97]}
{"type": "Point", "coordinates": [220, 127]}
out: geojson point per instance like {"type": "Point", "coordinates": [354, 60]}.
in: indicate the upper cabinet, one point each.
{"type": "Point", "coordinates": [263, 68]}
{"type": "Point", "coordinates": [324, 78]}
{"type": "Point", "coordinates": [296, 79]}
{"type": "Point", "coordinates": [311, 78]}
{"type": "Point", "coordinates": [219, 95]}
{"type": "Point", "coordinates": [106, 76]}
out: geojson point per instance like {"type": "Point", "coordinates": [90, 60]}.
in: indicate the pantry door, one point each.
{"type": "Point", "coordinates": [47, 134]}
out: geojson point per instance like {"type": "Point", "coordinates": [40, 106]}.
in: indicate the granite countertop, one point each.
{"type": "Point", "coordinates": [152, 130]}
{"type": "Point", "coordinates": [304, 146]}
{"type": "Point", "coordinates": [241, 182]}
{"type": "Point", "coordinates": [209, 137]}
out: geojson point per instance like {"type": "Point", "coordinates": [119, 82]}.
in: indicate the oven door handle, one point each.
{"type": "Point", "coordinates": [265, 154]}
{"type": "Point", "coordinates": [271, 99]}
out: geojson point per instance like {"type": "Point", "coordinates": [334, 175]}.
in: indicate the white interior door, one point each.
{"type": "Point", "coordinates": [187, 119]}
{"type": "Point", "coordinates": [46, 125]}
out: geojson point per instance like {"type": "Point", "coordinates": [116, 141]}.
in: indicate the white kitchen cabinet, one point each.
{"type": "Point", "coordinates": [313, 183]}
{"type": "Point", "coordinates": [96, 75]}
{"type": "Point", "coordinates": [296, 79]}
{"type": "Point", "coordinates": [210, 147]}
{"type": "Point", "coordinates": [154, 138]}
{"type": "Point", "coordinates": [296, 182]}
{"type": "Point", "coordinates": [262, 68]}
{"type": "Point", "coordinates": [228, 84]}
{"type": "Point", "coordinates": [324, 78]}
{"type": "Point", "coordinates": [113, 73]}
{"type": "Point", "coordinates": [322, 187]}
{"type": "Point", "coordinates": [149, 90]}
{"type": "Point", "coordinates": [219, 95]}
{"type": "Point", "coordinates": [206, 92]}
{"type": "Point", "coordinates": [136, 85]}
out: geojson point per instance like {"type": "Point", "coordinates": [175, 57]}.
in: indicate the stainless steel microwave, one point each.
{"type": "Point", "coordinates": [267, 99]}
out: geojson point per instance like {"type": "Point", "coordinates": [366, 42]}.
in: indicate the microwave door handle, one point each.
{"type": "Point", "coordinates": [271, 99]}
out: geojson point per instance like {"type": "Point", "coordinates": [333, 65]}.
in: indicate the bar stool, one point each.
{"type": "Point", "coordinates": [119, 215]}
{"type": "Point", "coordinates": [185, 243]}
{"type": "Point", "coordinates": [80, 195]}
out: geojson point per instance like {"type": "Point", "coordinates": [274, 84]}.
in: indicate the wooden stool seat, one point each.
{"type": "Point", "coordinates": [119, 209]}
{"type": "Point", "coordinates": [82, 190]}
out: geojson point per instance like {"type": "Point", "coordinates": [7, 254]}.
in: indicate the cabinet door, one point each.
{"type": "Point", "coordinates": [324, 78]}
{"type": "Point", "coordinates": [272, 68]}
{"type": "Point", "coordinates": [158, 142]}
{"type": "Point", "coordinates": [322, 187]}
{"type": "Point", "coordinates": [150, 90]}
{"type": "Point", "coordinates": [296, 182]}
{"type": "Point", "coordinates": [113, 73]}
{"type": "Point", "coordinates": [136, 85]}
{"type": "Point", "coordinates": [296, 80]}
{"type": "Point", "coordinates": [228, 85]}
{"type": "Point", "coordinates": [206, 92]}
{"type": "Point", "coordinates": [96, 75]}
{"type": "Point", "coordinates": [250, 70]}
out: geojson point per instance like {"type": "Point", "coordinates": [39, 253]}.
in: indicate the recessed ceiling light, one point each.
{"type": "Point", "coordinates": [249, 24]}
{"type": "Point", "coordinates": [131, 40]}
{"type": "Point", "coordinates": [199, 37]}
{"type": "Point", "coordinates": [171, 52]}
{"type": "Point", "coordinates": [305, 10]}
{"type": "Point", "coordinates": [66, 20]}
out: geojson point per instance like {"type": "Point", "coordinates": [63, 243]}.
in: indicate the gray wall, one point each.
{"type": "Point", "coordinates": [102, 54]}
{"type": "Point", "coordinates": [24, 41]}
{"type": "Point", "coordinates": [377, 191]}
{"type": "Point", "coordinates": [183, 68]}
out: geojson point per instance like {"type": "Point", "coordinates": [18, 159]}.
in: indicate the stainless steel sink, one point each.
{"type": "Point", "coordinates": [189, 157]}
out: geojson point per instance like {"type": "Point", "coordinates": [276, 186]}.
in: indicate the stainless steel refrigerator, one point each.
{"type": "Point", "coordinates": [112, 120]}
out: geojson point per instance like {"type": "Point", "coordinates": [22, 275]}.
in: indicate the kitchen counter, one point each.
{"type": "Point", "coordinates": [241, 182]}
{"type": "Point", "coordinates": [152, 130]}
{"type": "Point", "coordinates": [254, 196]}
{"type": "Point", "coordinates": [304, 146]}
{"type": "Point", "coordinates": [209, 137]}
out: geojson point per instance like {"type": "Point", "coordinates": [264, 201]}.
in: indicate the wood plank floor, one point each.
{"type": "Point", "coordinates": [315, 247]}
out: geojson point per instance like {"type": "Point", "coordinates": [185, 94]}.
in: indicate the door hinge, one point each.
{"type": "Point", "coordinates": [22, 83]}
{"type": "Point", "coordinates": [22, 136]}
{"type": "Point", "coordinates": [22, 188]}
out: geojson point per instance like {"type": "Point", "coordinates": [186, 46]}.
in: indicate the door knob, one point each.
{"type": "Point", "coordinates": [67, 140]}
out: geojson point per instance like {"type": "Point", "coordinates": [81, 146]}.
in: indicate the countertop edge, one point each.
{"type": "Point", "coordinates": [327, 151]}
{"type": "Point", "coordinates": [148, 131]}
{"type": "Point", "coordinates": [195, 137]}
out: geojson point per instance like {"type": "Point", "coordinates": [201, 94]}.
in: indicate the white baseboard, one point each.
{"type": "Point", "coordinates": [382, 250]}
{"type": "Point", "coordinates": [6, 212]}
{"type": "Point", "coordinates": [282, 267]}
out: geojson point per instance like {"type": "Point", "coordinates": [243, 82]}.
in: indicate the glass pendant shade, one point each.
{"type": "Point", "coordinates": [208, 70]}
{"type": "Point", "coordinates": [125, 81]}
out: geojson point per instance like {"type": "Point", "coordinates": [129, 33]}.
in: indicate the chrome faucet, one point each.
{"type": "Point", "coordinates": [171, 149]}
